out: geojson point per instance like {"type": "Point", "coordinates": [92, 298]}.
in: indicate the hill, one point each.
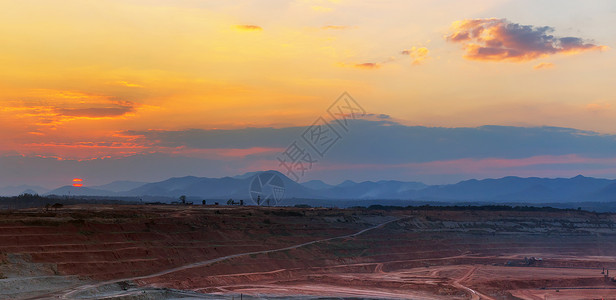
{"type": "Point", "coordinates": [511, 189]}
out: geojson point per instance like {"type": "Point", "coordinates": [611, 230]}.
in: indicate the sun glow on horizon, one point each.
{"type": "Point", "coordinates": [77, 182]}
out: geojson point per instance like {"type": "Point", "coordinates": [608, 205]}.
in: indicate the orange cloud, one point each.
{"type": "Point", "coordinates": [248, 27]}
{"type": "Point", "coordinates": [82, 150]}
{"type": "Point", "coordinates": [56, 113]}
{"type": "Point", "coordinates": [418, 54]}
{"type": "Point", "coordinates": [113, 110]}
{"type": "Point", "coordinates": [129, 84]}
{"type": "Point", "coordinates": [367, 66]}
{"type": "Point", "coordinates": [598, 107]}
{"type": "Point", "coordinates": [43, 108]}
{"type": "Point", "coordinates": [543, 66]}
{"type": "Point", "coordinates": [500, 40]}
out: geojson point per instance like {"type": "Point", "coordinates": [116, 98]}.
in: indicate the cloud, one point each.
{"type": "Point", "coordinates": [500, 40]}
{"type": "Point", "coordinates": [381, 118]}
{"type": "Point", "coordinates": [371, 150]}
{"type": "Point", "coordinates": [245, 138]}
{"type": "Point", "coordinates": [367, 66]}
{"type": "Point", "coordinates": [129, 84]}
{"type": "Point", "coordinates": [418, 54]}
{"type": "Point", "coordinates": [248, 27]}
{"type": "Point", "coordinates": [118, 109]}
{"type": "Point", "coordinates": [60, 112]}
{"type": "Point", "coordinates": [598, 107]}
{"type": "Point", "coordinates": [382, 140]}
{"type": "Point", "coordinates": [543, 65]}
{"type": "Point", "coordinates": [50, 108]}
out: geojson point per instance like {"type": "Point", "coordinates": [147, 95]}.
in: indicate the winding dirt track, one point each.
{"type": "Point", "coordinates": [71, 293]}
{"type": "Point", "coordinates": [474, 294]}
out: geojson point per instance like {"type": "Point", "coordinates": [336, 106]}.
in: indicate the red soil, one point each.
{"type": "Point", "coordinates": [426, 254]}
{"type": "Point", "coordinates": [104, 243]}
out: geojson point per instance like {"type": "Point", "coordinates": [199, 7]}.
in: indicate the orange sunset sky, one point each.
{"type": "Point", "coordinates": [83, 80]}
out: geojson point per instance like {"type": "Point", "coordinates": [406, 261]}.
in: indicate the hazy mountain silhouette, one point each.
{"type": "Point", "coordinates": [70, 190]}
{"type": "Point", "coordinates": [517, 189]}
{"type": "Point", "coordinates": [175, 186]}
{"type": "Point", "coordinates": [503, 190]}
{"type": "Point", "coordinates": [119, 186]}
{"type": "Point", "coordinates": [216, 188]}
{"type": "Point", "coordinates": [247, 175]}
{"type": "Point", "coordinates": [607, 193]}
{"type": "Point", "coordinates": [317, 185]}
{"type": "Point", "coordinates": [373, 190]}
{"type": "Point", "coordinates": [17, 190]}
{"type": "Point", "coordinates": [347, 183]}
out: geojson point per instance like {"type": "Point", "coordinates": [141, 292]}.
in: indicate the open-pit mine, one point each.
{"type": "Point", "coordinates": [220, 252]}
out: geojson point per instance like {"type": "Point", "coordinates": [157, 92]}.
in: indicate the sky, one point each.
{"type": "Point", "coordinates": [145, 90]}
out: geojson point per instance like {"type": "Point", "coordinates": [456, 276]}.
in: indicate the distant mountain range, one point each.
{"type": "Point", "coordinates": [120, 186]}
{"type": "Point", "coordinates": [523, 190]}
{"type": "Point", "coordinates": [16, 190]}
{"type": "Point", "coordinates": [503, 190]}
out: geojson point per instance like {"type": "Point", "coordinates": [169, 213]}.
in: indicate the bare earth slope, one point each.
{"type": "Point", "coordinates": [165, 252]}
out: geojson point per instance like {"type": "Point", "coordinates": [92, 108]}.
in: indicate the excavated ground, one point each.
{"type": "Point", "coordinates": [165, 252]}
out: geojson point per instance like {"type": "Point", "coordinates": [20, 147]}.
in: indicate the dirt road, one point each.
{"type": "Point", "coordinates": [73, 292]}
{"type": "Point", "coordinates": [474, 294]}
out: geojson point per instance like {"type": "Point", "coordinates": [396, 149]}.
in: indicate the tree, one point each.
{"type": "Point", "coordinates": [183, 199]}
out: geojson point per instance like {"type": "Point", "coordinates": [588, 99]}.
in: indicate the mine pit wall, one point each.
{"type": "Point", "coordinates": [122, 242]}
{"type": "Point", "coordinates": [103, 245]}
{"type": "Point", "coordinates": [422, 241]}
